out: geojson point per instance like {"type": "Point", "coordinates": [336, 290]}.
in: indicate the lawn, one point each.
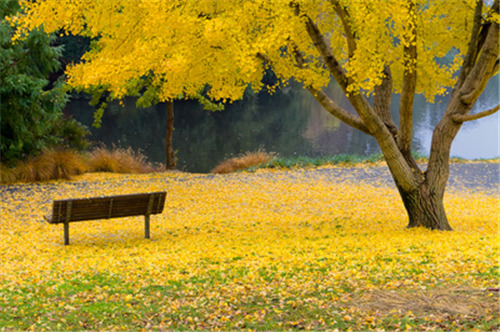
{"type": "Point", "coordinates": [269, 250]}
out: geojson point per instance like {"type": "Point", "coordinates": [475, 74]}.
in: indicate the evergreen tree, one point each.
{"type": "Point", "coordinates": [31, 108]}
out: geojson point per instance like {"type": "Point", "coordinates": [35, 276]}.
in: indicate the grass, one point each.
{"type": "Point", "coordinates": [50, 165]}
{"type": "Point", "coordinates": [268, 251]}
{"type": "Point", "coordinates": [244, 161]}
{"type": "Point", "coordinates": [306, 162]}
{"type": "Point", "coordinates": [118, 160]}
{"type": "Point", "coordinates": [64, 164]}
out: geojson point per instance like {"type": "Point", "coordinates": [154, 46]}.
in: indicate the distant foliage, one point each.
{"type": "Point", "coordinates": [31, 110]}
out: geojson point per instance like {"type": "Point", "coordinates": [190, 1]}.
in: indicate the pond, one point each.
{"type": "Point", "coordinates": [290, 122]}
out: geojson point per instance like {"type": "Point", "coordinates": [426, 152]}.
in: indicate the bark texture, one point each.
{"type": "Point", "coordinates": [425, 208]}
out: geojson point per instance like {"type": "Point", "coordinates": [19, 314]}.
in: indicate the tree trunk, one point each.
{"type": "Point", "coordinates": [170, 155]}
{"type": "Point", "coordinates": [425, 208]}
{"type": "Point", "coordinates": [422, 192]}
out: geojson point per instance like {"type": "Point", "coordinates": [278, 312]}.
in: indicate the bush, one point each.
{"type": "Point", "coordinates": [71, 133]}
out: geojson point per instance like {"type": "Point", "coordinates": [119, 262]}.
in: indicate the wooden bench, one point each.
{"type": "Point", "coordinates": [71, 210]}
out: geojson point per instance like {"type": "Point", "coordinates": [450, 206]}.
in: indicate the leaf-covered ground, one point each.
{"type": "Point", "coordinates": [270, 250]}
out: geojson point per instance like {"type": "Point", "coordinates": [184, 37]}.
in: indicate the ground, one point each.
{"type": "Point", "coordinates": [323, 248]}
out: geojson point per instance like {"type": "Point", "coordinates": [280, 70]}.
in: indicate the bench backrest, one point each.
{"type": "Point", "coordinates": [107, 207]}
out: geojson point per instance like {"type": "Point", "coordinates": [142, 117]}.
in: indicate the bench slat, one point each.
{"type": "Point", "coordinates": [70, 210]}
{"type": "Point", "coordinates": [107, 207]}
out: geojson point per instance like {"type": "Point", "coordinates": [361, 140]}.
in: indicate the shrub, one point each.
{"type": "Point", "coordinates": [249, 159]}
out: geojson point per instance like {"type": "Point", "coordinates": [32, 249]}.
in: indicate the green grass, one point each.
{"type": "Point", "coordinates": [308, 162]}
{"type": "Point", "coordinates": [344, 159]}
{"type": "Point", "coordinates": [105, 302]}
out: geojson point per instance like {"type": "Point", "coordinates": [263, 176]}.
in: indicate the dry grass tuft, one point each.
{"type": "Point", "coordinates": [244, 161]}
{"type": "Point", "coordinates": [453, 301]}
{"type": "Point", "coordinates": [50, 165]}
{"type": "Point", "coordinates": [118, 160]}
{"type": "Point", "coordinates": [63, 164]}
{"type": "Point", "coordinates": [7, 175]}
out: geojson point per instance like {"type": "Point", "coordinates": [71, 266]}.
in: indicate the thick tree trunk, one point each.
{"type": "Point", "coordinates": [169, 150]}
{"type": "Point", "coordinates": [423, 202]}
{"type": "Point", "coordinates": [422, 192]}
{"type": "Point", "coordinates": [425, 208]}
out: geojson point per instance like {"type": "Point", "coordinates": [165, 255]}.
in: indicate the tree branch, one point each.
{"type": "Point", "coordinates": [473, 50]}
{"type": "Point", "coordinates": [463, 118]}
{"type": "Point", "coordinates": [486, 62]}
{"type": "Point", "coordinates": [325, 101]}
{"type": "Point", "coordinates": [337, 111]}
{"type": "Point", "coordinates": [382, 96]}
{"type": "Point", "coordinates": [403, 174]}
{"type": "Point", "coordinates": [344, 17]}
{"type": "Point", "coordinates": [409, 85]}
{"type": "Point", "coordinates": [495, 68]}
{"type": "Point", "coordinates": [322, 46]}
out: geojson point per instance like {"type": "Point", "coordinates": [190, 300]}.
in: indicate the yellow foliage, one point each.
{"type": "Point", "coordinates": [305, 231]}
{"type": "Point", "coordinates": [306, 241]}
{"type": "Point", "coordinates": [190, 44]}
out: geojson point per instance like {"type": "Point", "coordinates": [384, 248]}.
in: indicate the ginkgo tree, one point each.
{"type": "Point", "coordinates": [370, 48]}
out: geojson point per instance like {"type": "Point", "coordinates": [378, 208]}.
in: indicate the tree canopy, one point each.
{"type": "Point", "coordinates": [370, 48]}
{"type": "Point", "coordinates": [190, 44]}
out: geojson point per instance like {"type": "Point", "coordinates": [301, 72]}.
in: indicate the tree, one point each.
{"type": "Point", "coordinates": [371, 48]}
{"type": "Point", "coordinates": [31, 109]}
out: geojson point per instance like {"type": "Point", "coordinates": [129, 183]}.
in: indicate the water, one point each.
{"type": "Point", "coordinates": [290, 122]}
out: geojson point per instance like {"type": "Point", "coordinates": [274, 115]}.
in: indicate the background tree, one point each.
{"type": "Point", "coordinates": [369, 47]}
{"type": "Point", "coordinates": [31, 108]}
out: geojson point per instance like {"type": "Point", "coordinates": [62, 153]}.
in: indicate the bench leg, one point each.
{"type": "Point", "coordinates": [146, 226]}
{"type": "Point", "coordinates": [66, 233]}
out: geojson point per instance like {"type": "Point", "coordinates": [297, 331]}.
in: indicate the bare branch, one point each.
{"type": "Point", "coordinates": [471, 117]}
{"type": "Point", "coordinates": [409, 86]}
{"type": "Point", "coordinates": [337, 111]}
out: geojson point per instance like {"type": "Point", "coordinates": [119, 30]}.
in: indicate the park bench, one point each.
{"type": "Point", "coordinates": [81, 209]}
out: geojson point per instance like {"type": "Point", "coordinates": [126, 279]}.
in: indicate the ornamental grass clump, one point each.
{"type": "Point", "coordinates": [118, 160]}
{"type": "Point", "coordinates": [49, 165]}
{"type": "Point", "coordinates": [244, 161]}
